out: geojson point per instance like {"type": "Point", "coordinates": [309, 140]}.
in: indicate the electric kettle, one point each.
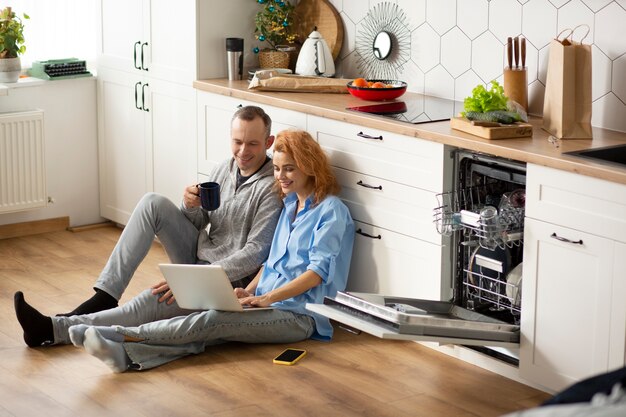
{"type": "Point", "coordinates": [315, 57]}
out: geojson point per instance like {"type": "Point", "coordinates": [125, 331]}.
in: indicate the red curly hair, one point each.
{"type": "Point", "coordinates": [310, 159]}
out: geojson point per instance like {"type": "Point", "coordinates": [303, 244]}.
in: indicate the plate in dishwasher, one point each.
{"type": "Point", "coordinates": [425, 319]}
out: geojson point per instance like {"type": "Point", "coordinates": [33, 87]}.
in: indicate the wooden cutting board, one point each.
{"type": "Point", "coordinates": [320, 13]}
{"type": "Point", "coordinates": [515, 130]}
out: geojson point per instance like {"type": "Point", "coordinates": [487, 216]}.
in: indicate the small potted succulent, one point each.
{"type": "Point", "coordinates": [274, 25]}
{"type": "Point", "coordinates": [11, 45]}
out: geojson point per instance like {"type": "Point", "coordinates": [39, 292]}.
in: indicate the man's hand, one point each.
{"type": "Point", "coordinates": [164, 291]}
{"type": "Point", "coordinates": [242, 293]}
{"type": "Point", "coordinates": [191, 198]}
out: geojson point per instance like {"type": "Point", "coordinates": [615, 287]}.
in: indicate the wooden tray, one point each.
{"type": "Point", "coordinates": [516, 130]}
{"type": "Point", "coordinates": [323, 15]}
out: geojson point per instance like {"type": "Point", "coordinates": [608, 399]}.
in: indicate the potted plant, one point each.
{"type": "Point", "coordinates": [274, 25]}
{"type": "Point", "coordinates": [11, 45]}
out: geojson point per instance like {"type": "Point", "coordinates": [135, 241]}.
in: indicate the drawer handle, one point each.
{"type": "Point", "coordinates": [135, 55]}
{"type": "Point", "coordinates": [137, 106]}
{"type": "Point", "coordinates": [564, 239]}
{"type": "Point", "coordinates": [362, 233]}
{"type": "Point", "coordinates": [143, 45]}
{"type": "Point", "coordinates": [143, 97]}
{"type": "Point", "coordinates": [363, 135]}
{"type": "Point", "coordinates": [362, 184]}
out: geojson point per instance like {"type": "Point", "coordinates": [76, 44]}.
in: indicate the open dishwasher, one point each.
{"type": "Point", "coordinates": [484, 217]}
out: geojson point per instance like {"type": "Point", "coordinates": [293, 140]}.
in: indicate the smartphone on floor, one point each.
{"type": "Point", "coordinates": [290, 356]}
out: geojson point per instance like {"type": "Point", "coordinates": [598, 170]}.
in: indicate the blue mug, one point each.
{"type": "Point", "coordinates": [209, 195]}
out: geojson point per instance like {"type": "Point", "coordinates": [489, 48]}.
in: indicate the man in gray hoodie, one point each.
{"type": "Point", "coordinates": [238, 238]}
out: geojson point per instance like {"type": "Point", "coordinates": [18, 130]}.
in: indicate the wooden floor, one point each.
{"type": "Point", "coordinates": [350, 376]}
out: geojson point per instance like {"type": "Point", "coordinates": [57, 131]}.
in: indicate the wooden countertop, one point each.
{"type": "Point", "coordinates": [536, 149]}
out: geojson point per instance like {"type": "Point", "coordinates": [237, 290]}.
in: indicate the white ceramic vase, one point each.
{"type": "Point", "coordinates": [10, 69]}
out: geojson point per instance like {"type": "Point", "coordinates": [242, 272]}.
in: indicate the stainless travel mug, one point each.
{"type": "Point", "coordinates": [234, 57]}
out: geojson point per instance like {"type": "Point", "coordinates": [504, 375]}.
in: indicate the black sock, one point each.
{"type": "Point", "coordinates": [98, 302]}
{"type": "Point", "coordinates": [37, 327]}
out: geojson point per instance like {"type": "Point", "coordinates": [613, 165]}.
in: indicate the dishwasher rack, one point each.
{"type": "Point", "coordinates": [488, 225]}
{"type": "Point", "coordinates": [486, 287]}
{"type": "Point", "coordinates": [462, 209]}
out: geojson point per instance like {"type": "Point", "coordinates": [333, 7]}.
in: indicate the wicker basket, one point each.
{"type": "Point", "coordinates": [273, 59]}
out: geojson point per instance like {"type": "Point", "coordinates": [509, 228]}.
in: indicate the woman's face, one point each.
{"type": "Point", "coordinates": [289, 176]}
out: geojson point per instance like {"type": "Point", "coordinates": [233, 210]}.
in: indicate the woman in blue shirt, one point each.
{"type": "Point", "coordinates": [309, 259]}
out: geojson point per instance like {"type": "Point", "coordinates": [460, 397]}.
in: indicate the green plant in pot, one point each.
{"type": "Point", "coordinates": [11, 45]}
{"type": "Point", "coordinates": [274, 25]}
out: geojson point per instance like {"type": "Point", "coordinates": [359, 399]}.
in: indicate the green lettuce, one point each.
{"type": "Point", "coordinates": [483, 100]}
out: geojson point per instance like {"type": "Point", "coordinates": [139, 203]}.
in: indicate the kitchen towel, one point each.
{"type": "Point", "coordinates": [567, 101]}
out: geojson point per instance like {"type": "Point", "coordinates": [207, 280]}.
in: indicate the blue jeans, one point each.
{"type": "Point", "coordinates": [170, 332]}
{"type": "Point", "coordinates": [143, 308]}
{"type": "Point", "coordinates": [168, 340]}
{"type": "Point", "coordinates": [154, 215]}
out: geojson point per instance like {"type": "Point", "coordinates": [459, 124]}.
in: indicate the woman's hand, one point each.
{"type": "Point", "coordinates": [257, 301]}
{"type": "Point", "coordinates": [164, 291]}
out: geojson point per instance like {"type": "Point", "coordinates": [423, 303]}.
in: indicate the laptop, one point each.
{"type": "Point", "coordinates": [203, 287]}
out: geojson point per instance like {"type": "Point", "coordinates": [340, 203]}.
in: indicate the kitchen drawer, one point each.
{"type": "Point", "coordinates": [387, 204]}
{"type": "Point", "coordinates": [384, 262]}
{"type": "Point", "coordinates": [214, 117]}
{"type": "Point", "coordinates": [281, 118]}
{"type": "Point", "coordinates": [402, 159]}
{"type": "Point", "coordinates": [576, 201]}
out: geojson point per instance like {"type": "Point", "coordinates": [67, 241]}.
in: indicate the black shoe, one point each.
{"type": "Point", "coordinates": [37, 327]}
{"type": "Point", "coordinates": [98, 302]}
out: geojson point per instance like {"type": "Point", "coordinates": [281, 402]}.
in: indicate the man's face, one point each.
{"type": "Point", "coordinates": [249, 144]}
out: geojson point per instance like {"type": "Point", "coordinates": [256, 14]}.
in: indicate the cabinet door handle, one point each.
{"type": "Point", "coordinates": [136, 102]}
{"type": "Point", "coordinates": [135, 55]}
{"type": "Point", "coordinates": [143, 97]}
{"type": "Point", "coordinates": [374, 187]}
{"type": "Point", "coordinates": [566, 240]}
{"type": "Point", "coordinates": [366, 136]}
{"type": "Point", "coordinates": [142, 55]}
{"type": "Point", "coordinates": [362, 233]}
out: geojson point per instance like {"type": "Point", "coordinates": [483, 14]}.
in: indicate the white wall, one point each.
{"type": "Point", "coordinates": [71, 147]}
{"type": "Point", "coordinates": [212, 37]}
{"type": "Point", "coordinates": [457, 44]}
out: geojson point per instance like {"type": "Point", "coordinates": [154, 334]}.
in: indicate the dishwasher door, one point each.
{"type": "Point", "coordinates": [415, 319]}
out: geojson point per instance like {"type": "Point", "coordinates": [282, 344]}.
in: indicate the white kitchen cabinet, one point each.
{"type": "Point", "coordinates": [146, 102]}
{"type": "Point", "coordinates": [123, 147]}
{"type": "Point", "coordinates": [146, 141]}
{"type": "Point", "coordinates": [389, 182]}
{"type": "Point", "coordinates": [149, 54]}
{"type": "Point", "coordinates": [140, 36]}
{"type": "Point", "coordinates": [214, 114]}
{"type": "Point", "coordinates": [574, 286]}
{"type": "Point", "coordinates": [171, 125]}
{"type": "Point", "coordinates": [391, 263]}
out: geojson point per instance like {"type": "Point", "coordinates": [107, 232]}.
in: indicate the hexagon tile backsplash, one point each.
{"type": "Point", "coordinates": [457, 44]}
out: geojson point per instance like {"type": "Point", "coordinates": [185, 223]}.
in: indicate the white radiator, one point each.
{"type": "Point", "coordinates": [22, 169]}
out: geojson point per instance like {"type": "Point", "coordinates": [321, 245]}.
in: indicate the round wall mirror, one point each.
{"type": "Point", "coordinates": [382, 45]}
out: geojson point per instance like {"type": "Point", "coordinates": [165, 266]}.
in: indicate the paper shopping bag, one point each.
{"type": "Point", "coordinates": [567, 101]}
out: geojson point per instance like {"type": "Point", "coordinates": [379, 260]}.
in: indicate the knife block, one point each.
{"type": "Point", "coordinates": [516, 85]}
